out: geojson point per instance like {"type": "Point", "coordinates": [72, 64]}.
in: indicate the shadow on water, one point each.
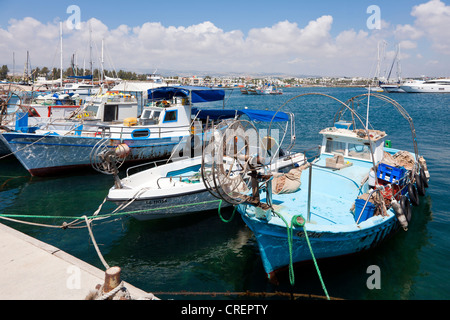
{"type": "Point", "coordinates": [198, 252]}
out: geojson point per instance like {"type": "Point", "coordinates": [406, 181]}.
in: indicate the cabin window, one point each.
{"type": "Point", "coordinates": [156, 115]}
{"type": "Point", "coordinates": [149, 117]}
{"type": "Point", "coordinates": [92, 109]}
{"type": "Point", "coordinates": [171, 116]}
{"type": "Point", "coordinates": [146, 114]}
{"type": "Point", "coordinates": [335, 147]}
{"type": "Point", "coordinates": [359, 151]}
{"type": "Point", "coordinates": [142, 133]}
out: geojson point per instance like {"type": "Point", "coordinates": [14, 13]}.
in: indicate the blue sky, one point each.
{"type": "Point", "coordinates": [228, 15]}
{"type": "Point", "coordinates": [250, 27]}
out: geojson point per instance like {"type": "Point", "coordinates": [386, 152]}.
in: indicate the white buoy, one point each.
{"type": "Point", "coordinates": [400, 214]}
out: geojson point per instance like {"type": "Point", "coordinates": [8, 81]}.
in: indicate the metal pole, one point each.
{"type": "Point", "coordinates": [61, 54]}
{"type": "Point", "coordinates": [309, 192]}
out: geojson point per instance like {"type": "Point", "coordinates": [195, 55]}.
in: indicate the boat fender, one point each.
{"type": "Point", "coordinates": [122, 150]}
{"type": "Point", "coordinates": [406, 208]}
{"type": "Point", "coordinates": [399, 214]}
{"type": "Point", "coordinates": [423, 177]}
{"type": "Point", "coordinates": [372, 180]}
{"type": "Point", "coordinates": [420, 186]}
{"type": "Point", "coordinates": [413, 195]}
{"type": "Point", "coordinates": [423, 164]}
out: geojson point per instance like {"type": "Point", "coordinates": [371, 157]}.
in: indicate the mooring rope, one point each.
{"type": "Point", "coordinates": [95, 216]}
{"type": "Point", "coordinates": [105, 264]}
{"type": "Point", "coordinates": [290, 238]}
{"type": "Point", "coordinates": [98, 217]}
{"type": "Point", "coordinates": [220, 215]}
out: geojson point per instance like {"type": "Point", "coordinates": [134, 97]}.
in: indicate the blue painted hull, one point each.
{"type": "Point", "coordinates": [47, 155]}
{"type": "Point", "coordinates": [332, 229]}
{"type": "Point", "coordinates": [274, 249]}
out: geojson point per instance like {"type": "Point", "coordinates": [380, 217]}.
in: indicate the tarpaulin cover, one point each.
{"type": "Point", "coordinates": [253, 114]}
{"type": "Point", "coordinates": [88, 77]}
{"type": "Point", "coordinates": [197, 94]}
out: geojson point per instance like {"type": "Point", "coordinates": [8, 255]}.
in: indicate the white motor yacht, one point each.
{"type": "Point", "coordinates": [428, 86]}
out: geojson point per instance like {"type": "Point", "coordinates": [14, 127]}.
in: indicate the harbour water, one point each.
{"type": "Point", "coordinates": [201, 253]}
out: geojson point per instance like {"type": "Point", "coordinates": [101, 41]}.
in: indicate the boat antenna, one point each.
{"type": "Point", "coordinates": [368, 107]}
{"type": "Point", "coordinates": [90, 52]}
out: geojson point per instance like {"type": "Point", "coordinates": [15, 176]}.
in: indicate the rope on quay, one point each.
{"type": "Point", "coordinates": [119, 288]}
{"type": "Point", "coordinates": [95, 216]}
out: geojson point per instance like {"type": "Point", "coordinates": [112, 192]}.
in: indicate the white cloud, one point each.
{"type": "Point", "coordinates": [203, 46]}
{"type": "Point", "coordinates": [283, 47]}
{"type": "Point", "coordinates": [407, 31]}
{"type": "Point", "coordinates": [408, 44]}
{"type": "Point", "coordinates": [432, 20]}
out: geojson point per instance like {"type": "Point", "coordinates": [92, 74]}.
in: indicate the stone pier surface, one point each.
{"type": "Point", "coordinates": [33, 270]}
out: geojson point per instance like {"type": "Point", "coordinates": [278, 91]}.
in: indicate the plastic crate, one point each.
{"type": "Point", "coordinates": [368, 210]}
{"type": "Point", "coordinates": [390, 173]}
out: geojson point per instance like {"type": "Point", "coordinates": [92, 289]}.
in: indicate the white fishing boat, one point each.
{"type": "Point", "coordinates": [30, 113]}
{"type": "Point", "coordinates": [26, 113]}
{"type": "Point", "coordinates": [178, 188]}
{"type": "Point", "coordinates": [428, 86]}
{"type": "Point", "coordinates": [107, 122]}
{"type": "Point", "coordinates": [270, 90]}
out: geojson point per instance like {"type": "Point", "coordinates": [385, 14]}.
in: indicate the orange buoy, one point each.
{"type": "Point", "coordinates": [122, 150]}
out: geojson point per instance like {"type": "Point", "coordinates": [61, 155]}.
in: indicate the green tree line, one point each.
{"type": "Point", "coordinates": [55, 73]}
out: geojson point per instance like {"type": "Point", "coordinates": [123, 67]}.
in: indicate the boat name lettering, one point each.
{"type": "Point", "coordinates": [158, 201]}
{"type": "Point", "coordinates": [301, 234]}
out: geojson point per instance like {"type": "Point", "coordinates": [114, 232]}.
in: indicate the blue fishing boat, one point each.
{"type": "Point", "coordinates": [111, 122]}
{"type": "Point", "coordinates": [356, 192]}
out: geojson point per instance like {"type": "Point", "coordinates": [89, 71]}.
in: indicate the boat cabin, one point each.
{"type": "Point", "coordinates": [112, 107]}
{"type": "Point", "coordinates": [340, 140]}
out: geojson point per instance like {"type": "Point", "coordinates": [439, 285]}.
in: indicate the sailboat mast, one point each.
{"type": "Point", "coordinates": [399, 68]}
{"type": "Point", "coordinates": [61, 49]}
{"type": "Point", "coordinates": [90, 52]}
{"type": "Point", "coordinates": [14, 66]}
{"type": "Point", "coordinates": [102, 73]}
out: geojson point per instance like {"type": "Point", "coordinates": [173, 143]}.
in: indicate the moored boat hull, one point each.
{"type": "Point", "coordinates": [274, 246]}
{"type": "Point", "coordinates": [44, 155]}
{"type": "Point", "coordinates": [171, 206]}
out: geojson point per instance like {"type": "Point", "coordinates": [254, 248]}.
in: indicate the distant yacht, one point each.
{"type": "Point", "coordinates": [391, 87]}
{"type": "Point", "coordinates": [83, 89]}
{"type": "Point", "coordinates": [428, 86]}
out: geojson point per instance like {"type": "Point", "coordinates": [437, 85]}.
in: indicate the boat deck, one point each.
{"type": "Point", "coordinates": [333, 194]}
